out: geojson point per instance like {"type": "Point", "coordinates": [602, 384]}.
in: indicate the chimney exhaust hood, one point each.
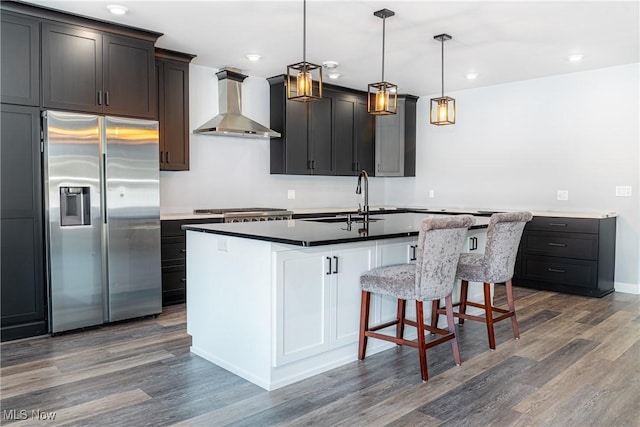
{"type": "Point", "coordinates": [230, 121]}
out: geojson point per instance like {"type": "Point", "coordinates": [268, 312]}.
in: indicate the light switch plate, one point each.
{"type": "Point", "coordinates": [563, 194]}
{"type": "Point", "coordinates": [623, 191]}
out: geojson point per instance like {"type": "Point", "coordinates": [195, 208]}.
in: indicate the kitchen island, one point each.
{"type": "Point", "coordinates": [276, 302]}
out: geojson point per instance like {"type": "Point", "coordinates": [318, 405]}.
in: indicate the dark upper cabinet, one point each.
{"type": "Point", "coordinates": [91, 71]}
{"type": "Point", "coordinates": [173, 108]}
{"type": "Point", "coordinates": [20, 56]}
{"type": "Point", "coordinates": [320, 135]}
{"type": "Point", "coordinates": [354, 135]}
{"type": "Point", "coordinates": [333, 136]}
{"type": "Point", "coordinates": [129, 81]}
{"type": "Point", "coordinates": [22, 285]}
{"type": "Point", "coordinates": [71, 68]}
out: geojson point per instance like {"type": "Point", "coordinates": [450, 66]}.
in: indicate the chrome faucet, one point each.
{"type": "Point", "coordinates": [365, 211]}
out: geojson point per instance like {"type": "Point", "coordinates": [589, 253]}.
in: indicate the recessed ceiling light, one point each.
{"type": "Point", "coordinates": [575, 57]}
{"type": "Point", "coordinates": [330, 65]}
{"type": "Point", "coordinates": [254, 57]}
{"type": "Point", "coordinates": [117, 9]}
{"type": "Point", "coordinates": [334, 75]}
{"type": "Point", "coordinates": [471, 76]}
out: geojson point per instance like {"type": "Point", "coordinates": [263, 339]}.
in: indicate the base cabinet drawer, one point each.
{"type": "Point", "coordinates": [173, 250]}
{"type": "Point", "coordinates": [560, 270]}
{"type": "Point", "coordinates": [173, 285]}
{"type": "Point", "coordinates": [565, 245]}
{"type": "Point", "coordinates": [563, 225]}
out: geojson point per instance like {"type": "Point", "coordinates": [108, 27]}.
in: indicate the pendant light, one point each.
{"type": "Point", "coordinates": [443, 109]}
{"type": "Point", "coordinates": [382, 96]}
{"type": "Point", "coordinates": [304, 79]}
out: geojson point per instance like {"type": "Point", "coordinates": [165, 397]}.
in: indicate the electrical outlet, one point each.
{"type": "Point", "coordinates": [432, 194]}
{"type": "Point", "coordinates": [623, 191]}
{"type": "Point", "coordinates": [223, 245]}
{"type": "Point", "coordinates": [563, 194]}
{"type": "Point", "coordinates": [291, 194]}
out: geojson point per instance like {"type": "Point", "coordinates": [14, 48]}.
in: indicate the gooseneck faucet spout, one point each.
{"type": "Point", "coordinates": [365, 210]}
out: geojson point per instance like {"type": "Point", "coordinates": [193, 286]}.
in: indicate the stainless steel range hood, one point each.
{"type": "Point", "coordinates": [230, 121]}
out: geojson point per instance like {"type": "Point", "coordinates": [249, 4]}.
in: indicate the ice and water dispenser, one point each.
{"type": "Point", "coordinates": [75, 206]}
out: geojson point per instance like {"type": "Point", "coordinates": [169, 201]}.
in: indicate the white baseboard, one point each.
{"type": "Point", "coordinates": [627, 288]}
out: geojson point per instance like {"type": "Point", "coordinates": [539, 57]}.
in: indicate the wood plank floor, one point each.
{"type": "Point", "coordinates": [577, 364]}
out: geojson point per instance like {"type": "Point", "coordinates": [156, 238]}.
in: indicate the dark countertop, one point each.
{"type": "Point", "coordinates": [311, 233]}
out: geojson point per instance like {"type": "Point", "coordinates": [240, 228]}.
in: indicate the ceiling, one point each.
{"type": "Point", "coordinates": [502, 41]}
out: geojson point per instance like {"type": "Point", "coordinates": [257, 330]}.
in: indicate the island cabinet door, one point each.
{"type": "Point", "coordinates": [389, 252]}
{"type": "Point", "coordinates": [302, 304]}
{"type": "Point", "coordinates": [348, 263]}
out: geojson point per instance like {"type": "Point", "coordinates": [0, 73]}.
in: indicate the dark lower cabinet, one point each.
{"type": "Point", "coordinates": [174, 256]}
{"type": "Point", "coordinates": [22, 286]}
{"type": "Point", "coordinates": [573, 255]}
{"type": "Point", "coordinates": [20, 52]}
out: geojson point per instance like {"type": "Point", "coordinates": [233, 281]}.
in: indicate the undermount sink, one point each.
{"type": "Point", "coordinates": [343, 219]}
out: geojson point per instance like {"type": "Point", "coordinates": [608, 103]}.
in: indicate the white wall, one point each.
{"type": "Point", "coordinates": [234, 172]}
{"type": "Point", "coordinates": [515, 145]}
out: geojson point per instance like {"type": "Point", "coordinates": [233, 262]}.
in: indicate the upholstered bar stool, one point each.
{"type": "Point", "coordinates": [494, 266]}
{"type": "Point", "coordinates": [432, 277]}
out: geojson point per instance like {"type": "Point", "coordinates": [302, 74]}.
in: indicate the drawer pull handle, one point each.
{"type": "Point", "coordinates": [556, 270]}
{"type": "Point", "coordinates": [560, 245]}
{"type": "Point", "coordinates": [557, 224]}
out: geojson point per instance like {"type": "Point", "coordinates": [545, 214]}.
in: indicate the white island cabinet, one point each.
{"type": "Point", "coordinates": [275, 313]}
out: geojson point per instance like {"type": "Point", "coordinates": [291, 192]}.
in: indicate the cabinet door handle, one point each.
{"type": "Point", "coordinates": [313, 164]}
{"type": "Point", "coordinates": [183, 280]}
{"type": "Point", "coordinates": [357, 166]}
{"type": "Point", "coordinates": [106, 98]}
{"type": "Point", "coordinates": [99, 97]}
{"type": "Point", "coordinates": [329, 270]}
{"type": "Point", "coordinates": [560, 245]}
{"type": "Point", "coordinates": [161, 157]}
{"type": "Point", "coordinates": [354, 166]}
{"type": "Point", "coordinates": [184, 251]}
{"type": "Point", "coordinates": [167, 156]}
{"type": "Point", "coordinates": [335, 269]}
{"type": "Point", "coordinates": [309, 164]}
{"type": "Point", "coordinates": [555, 270]}
{"type": "Point", "coordinates": [557, 224]}
{"type": "Point", "coordinates": [412, 256]}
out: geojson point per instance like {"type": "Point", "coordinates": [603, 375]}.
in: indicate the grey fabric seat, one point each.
{"type": "Point", "coordinates": [432, 277]}
{"type": "Point", "coordinates": [496, 265]}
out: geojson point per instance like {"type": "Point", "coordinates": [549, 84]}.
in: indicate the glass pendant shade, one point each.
{"type": "Point", "coordinates": [304, 82]}
{"type": "Point", "coordinates": [304, 79]}
{"type": "Point", "coordinates": [383, 98]}
{"type": "Point", "coordinates": [443, 111]}
{"type": "Point", "coordinates": [443, 108]}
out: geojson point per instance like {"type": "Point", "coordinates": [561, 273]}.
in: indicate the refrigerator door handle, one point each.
{"type": "Point", "coordinates": [103, 190]}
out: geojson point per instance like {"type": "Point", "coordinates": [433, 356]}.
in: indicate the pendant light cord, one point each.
{"type": "Point", "coordinates": [442, 66]}
{"type": "Point", "coordinates": [383, 32]}
{"type": "Point", "coordinates": [304, 34]}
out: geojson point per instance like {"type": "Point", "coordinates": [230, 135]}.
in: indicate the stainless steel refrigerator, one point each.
{"type": "Point", "coordinates": [103, 218]}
